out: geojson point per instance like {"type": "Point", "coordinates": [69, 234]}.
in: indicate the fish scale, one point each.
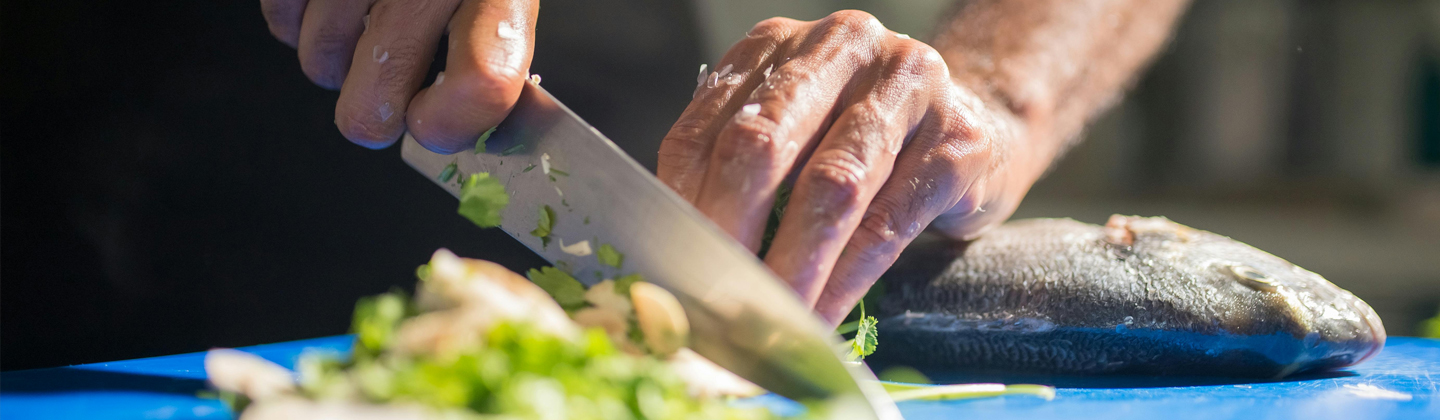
{"type": "Point", "coordinates": [1061, 296]}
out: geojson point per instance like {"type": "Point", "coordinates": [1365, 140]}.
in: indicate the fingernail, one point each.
{"type": "Point", "coordinates": [700, 80]}
{"type": "Point", "coordinates": [439, 78]}
{"type": "Point", "coordinates": [367, 24]}
{"type": "Point", "coordinates": [750, 110]}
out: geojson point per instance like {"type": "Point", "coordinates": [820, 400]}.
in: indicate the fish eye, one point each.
{"type": "Point", "coordinates": [1254, 278]}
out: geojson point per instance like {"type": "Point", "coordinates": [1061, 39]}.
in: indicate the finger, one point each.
{"type": "Point", "coordinates": [283, 17]}
{"type": "Point", "coordinates": [783, 118]}
{"type": "Point", "coordinates": [327, 39]}
{"type": "Point", "coordinates": [685, 151]}
{"type": "Point", "coordinates": [491, 43]}
{"type": "Point", "coordinates": [951, 159]}
{"type": "Point", "coordinates": [850, 165]}
{"type": "Point", "coordinates": [389, 63]}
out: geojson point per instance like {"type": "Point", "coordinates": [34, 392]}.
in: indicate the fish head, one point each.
{"type": "Point", "coordinates": [1296, 317]}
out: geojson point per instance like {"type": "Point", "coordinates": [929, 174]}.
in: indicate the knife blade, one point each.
{"type": "Point", "coordinates": [742, 316]}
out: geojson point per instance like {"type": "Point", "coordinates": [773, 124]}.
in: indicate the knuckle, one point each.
{"type": "Point", "coordinates": [683, 144]}
{"type": "Point", "coordinates": [875, 237]}
{"type": "Point", "coordinates": [849, 23]}
{"type": "Point", "coordinates": [837, 177]}
{"type": "Point", "coordinates": [775, 27]}
{"type": "Point", "coordinates": [489, 92]}
{"type": "Point", "coordinates": [745, 140]}
{"type": "Point", "coordinates": [401, 70]}
{"type": "Point", "coordinates": [917, 58]}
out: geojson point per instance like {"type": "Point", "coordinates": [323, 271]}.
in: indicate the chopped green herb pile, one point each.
{"type": "Point", "coordinates": [609, 256]}
{"type": "Point", "coordinates": [519, 372]}
{"type": "Point", "coordinates": [481, 200]}
{"type": "Point", "coordinates": [480, 142]}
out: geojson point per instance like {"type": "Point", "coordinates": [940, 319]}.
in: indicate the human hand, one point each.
{"type": "Point", "coordinates": [377, 52]}
{"type": "Point", "coordinates": [879, 139]}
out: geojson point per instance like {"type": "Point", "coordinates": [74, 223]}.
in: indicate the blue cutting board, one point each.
{"type": "Point", "coordinates": [1403, 381]}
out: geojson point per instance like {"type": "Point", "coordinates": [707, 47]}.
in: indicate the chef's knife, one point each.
{"type": "Point", "coordinates": [742, 317]}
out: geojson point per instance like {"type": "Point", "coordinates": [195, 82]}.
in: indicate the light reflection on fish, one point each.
{"type": "Point", "coordinates": [1136, 296]}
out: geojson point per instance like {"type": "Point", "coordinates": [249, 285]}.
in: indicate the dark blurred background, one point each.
{"type": "Point", "coordinates": [171, 182]}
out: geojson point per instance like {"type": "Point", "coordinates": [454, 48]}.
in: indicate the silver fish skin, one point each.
{"type": "Point", "coordinates": [1139, 295]}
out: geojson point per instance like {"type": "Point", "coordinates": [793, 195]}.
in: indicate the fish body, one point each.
{"type": "Point", "coordinates": [1136, 296]}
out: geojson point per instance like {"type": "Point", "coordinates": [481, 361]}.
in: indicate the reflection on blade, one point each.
{"type": "Point", "coordinates": [742, 317]}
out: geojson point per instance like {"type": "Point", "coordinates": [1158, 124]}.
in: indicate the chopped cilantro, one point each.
{"type": "Point", "coordinates": [587, 220]}
{"type": "Point", "coordinates": [559, 172]}
{"type": "Point", "coordinates": [567, 291]}
{"type": "Point", "coordinates": [609, 256]}
{"type": "Point", "coordinates": [512, 150]}
{"type": "Point", "coordinates": [449, 172]}
{"type": "Point", "coordinates": [481, 200]}
{"type": "Point", "coordinates": [544, 225]}
{"type": "Point", "coordinates": [528, 168]}
{"type": "Point", "coordinates": [480, 143]}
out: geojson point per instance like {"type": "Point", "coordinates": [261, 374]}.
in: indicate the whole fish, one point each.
{"type": "Point", "coordinates": [1136, 296]}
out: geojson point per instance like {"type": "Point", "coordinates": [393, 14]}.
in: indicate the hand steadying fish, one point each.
{"type": "Point", "coordinates": [1136, 296]}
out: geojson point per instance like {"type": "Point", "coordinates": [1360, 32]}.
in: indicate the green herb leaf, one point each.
{"type": "Point", "coordinates": [481, 200]}
{"type": "Point", "coordinates": [544, 225]}
{"type": "Point", "coordinates": [528, 168]}
{"type": "Point", "coordinates": [559, 172]}
{"type": "Point", "coordinates": [512, 150]}
{"type": "Point", "coordinates": [865, 335]}
{"type": "Point", "coordinates": [609, 256]}
{"type": "Point", "coordinates": [567, 291]}
{"type": "Point", "coordinates": [480, 143]}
